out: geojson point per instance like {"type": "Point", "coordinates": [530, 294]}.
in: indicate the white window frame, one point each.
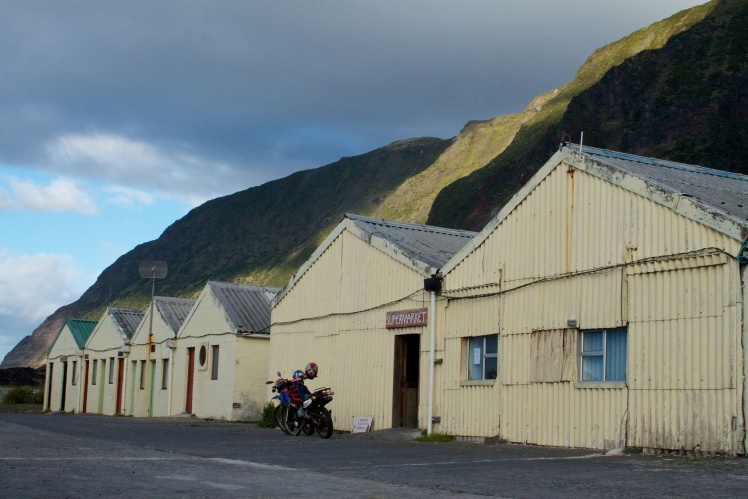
{"type": "Point", "coordinates": [111, 370]}
{"type": "Point", "coordinates": [600, 353]}
{"type": "Point", "coordinates": [470, 353]}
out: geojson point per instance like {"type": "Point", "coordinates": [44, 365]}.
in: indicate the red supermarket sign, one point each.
{"type": "Point", "coordinates": [407, 318]}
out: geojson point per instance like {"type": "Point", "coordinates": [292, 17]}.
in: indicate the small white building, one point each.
{"type": "Point", "coordinates": [150, 359]}
{"type": "Point", "coordinates": [63, 387]}
{"type": "Point", "coordinates": [105, 354]}
{"type": "Point", "coordinates": [221, 357]}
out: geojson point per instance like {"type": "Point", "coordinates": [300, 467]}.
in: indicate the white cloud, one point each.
{"type": "Point", "coordinates": [127, 197]}
{"type": "Point", "coordinates": [34, 286]}
{"type": "Point", "coordinates": [135, 165]}
{"type": "Point", "coordinates": [61, 194]}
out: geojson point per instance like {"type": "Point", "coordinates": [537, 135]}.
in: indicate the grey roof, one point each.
{"type": "Point", "coordinates": [719, 190]}
{"type": "Point", "coordinates": [127, 320]}
{"type": "Point", "coordinates": [173, 310]}
{"type": "Point", "coordinates": [247, 306]}
{"type": "Point", "coordinates": [431, 245]}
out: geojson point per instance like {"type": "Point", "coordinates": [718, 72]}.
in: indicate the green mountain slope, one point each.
{"type": "Point", "coordinates": [472, 201]}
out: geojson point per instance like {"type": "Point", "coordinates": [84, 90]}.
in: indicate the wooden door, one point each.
{"type": "Point", "coordinates": [405, 382]}
{"type": "Point", "coordinates": [49, 389]}
{"type": "Point", "coordinates": [120, 381]}
{"type": "Point", "coordinates": [190, 376]}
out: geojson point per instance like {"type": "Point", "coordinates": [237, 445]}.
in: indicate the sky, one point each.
{"type": "Point", "coordinates": [118, 117]}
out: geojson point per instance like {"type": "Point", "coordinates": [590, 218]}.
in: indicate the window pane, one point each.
{"type": "Point", "coordinates": [615, 364]}
{"type": "Point", "coordinates": [492, 344]}
{"type": "Point", "coordinates": [592, 367]}
{"type": "Point", "coordinates": [592, 341]}
{"type": "Point", "coordinates": [214, 371]}
{"type": "Point", "coordinates": [492, 367]}
{"type": "Point", "coordinates": [475, 358]}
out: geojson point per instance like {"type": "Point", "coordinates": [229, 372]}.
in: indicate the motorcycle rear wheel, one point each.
{"type": "Point", "coordinates": [309, 427]}
{"type": "Point", "coordinates": [324, 427]}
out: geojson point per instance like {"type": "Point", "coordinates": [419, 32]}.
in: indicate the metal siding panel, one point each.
{"type": "Point", "coordinates": [682, 338]}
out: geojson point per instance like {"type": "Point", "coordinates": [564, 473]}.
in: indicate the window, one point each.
{"type": "Point", "coordinates": [142, 375]}
{"type": "Point", "coordinates": [111, 370]}
{"type": "Point", "coordinates": [93, 371]}
{"type": "Point", "coordinates": [214, 367]}
{"type": "Point", "coordinates": [483, 357]}
{"type": "Point", "coordinates": [603, 355]}
{"type": "Point", "coordinates": [165, 374]}
{"type": "Point", "coordinates": [74, 377]}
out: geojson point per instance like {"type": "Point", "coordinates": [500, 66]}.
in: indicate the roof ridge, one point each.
{"type": "Point", "coordinates": [657, 162]}
{"type": "Point", "coordinates": [410, 225]}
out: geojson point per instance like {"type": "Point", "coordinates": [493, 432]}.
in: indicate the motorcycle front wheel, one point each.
{"type": "Point", "coordinates": [279, 419]}
{"type": "Point", "coordinates": [324, 426]}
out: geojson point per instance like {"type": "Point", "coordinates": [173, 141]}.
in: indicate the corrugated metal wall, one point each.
{"type": "Point", "coordinates": [333, 316]}
{"type": "Point", "coordinates": [562, 255]}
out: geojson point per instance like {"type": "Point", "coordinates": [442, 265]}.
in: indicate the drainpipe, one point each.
{"type": "Point", "coordinates": [433, 285]}
{"type": "Point", "coordinates": [431, 361]}
{"type": "Point", "coordinates": [171, 373]}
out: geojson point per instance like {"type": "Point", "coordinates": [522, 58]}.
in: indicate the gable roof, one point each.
{"type": "Point", "coordinates": [173, 310]}
{"type": "Point", "coordinates": [80, 329]}
{"type": "Point", "coordinates": [715, 198]}
{"type": "Point", "coordinates": [247, 306]}
{"type": "Point", "coordinates": [423, 248]}
{"type": "Point", "coordinates": [127, 320]}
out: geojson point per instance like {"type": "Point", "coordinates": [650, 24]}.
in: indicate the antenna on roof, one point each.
{"type": "Point", "coordinates": [581, 139]}
{"type": "Point", "coordinates": [152, 269]}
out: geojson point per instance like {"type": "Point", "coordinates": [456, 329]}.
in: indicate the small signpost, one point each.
{"type": "Point", "coordinates": [362, 424]}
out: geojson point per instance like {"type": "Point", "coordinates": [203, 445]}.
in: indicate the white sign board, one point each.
{"type": "Point", "coordinates": [362, 424]}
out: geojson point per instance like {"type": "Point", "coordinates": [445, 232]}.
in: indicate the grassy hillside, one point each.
{"type": "Point", "coordinates": [471, 202]}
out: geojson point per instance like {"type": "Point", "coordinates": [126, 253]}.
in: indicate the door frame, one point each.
{"type": "Point", "coordinates": [190, 379]}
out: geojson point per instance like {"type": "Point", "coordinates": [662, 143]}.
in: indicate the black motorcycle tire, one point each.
{"type": "Point", "coordinates": [308, 428]}
{"type": "Point", "coordinates": [324, 428]}
{"type": "Point", "coordinates": [279, 419]}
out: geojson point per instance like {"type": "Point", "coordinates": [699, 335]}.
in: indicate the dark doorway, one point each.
{"type": "Point", "coordinates": [120, 381]}
{"type": "Point", "coordinates": [405, 387]}
{"type": "Point", "coordinates": [85, 391]}
{"type": "Point", "coordinates": [49, 384]}
{"type": "Point", "coordinates": [64, 385]}
{"type": "Point", "coordinates": [190, 376]}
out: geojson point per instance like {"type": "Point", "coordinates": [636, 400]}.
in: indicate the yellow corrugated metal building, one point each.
{"type": "Point", "coordinates": [606, 300]}
{"type": "Point", "coordinates": [334, 312]}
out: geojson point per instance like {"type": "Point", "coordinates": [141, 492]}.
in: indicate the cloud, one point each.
{"type": "Point", "coordinates": [126, 197]}
{"type": "Point", "coordinates": [61, 194]}
{"type": "Point", "coordinates": [31, 288]}
{"type": "Point", "coordinates": [135, 165]}
{"type": "Point", "coordinates": [34, 286]}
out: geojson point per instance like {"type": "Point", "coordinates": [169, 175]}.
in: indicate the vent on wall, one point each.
{"type": "Point", "coordinates": [202, 356]}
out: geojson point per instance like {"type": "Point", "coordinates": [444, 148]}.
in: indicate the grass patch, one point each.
{"type": "Point", "coordinates": [22, 395]}
{"type": "Point", "coordinates": [268, 416]}
{"type": "Point", "coordinates": [434, 437]}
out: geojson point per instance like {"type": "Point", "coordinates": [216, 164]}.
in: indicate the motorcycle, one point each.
{"type": "Point", "coordinates": [291, 414]}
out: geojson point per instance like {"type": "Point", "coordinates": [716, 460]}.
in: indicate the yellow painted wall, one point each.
{"type": "Point", "coordinates": [64, 348]}
{"type": "Point", "coordinates": [137, 400]}
{"type": "Point", "coordinates": [103, 345]}
{"type": "Point", "coordinates": [564, 253]}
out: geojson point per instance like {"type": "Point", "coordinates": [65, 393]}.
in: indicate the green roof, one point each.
{"type": "Point", "coordinates": [81, 329]}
